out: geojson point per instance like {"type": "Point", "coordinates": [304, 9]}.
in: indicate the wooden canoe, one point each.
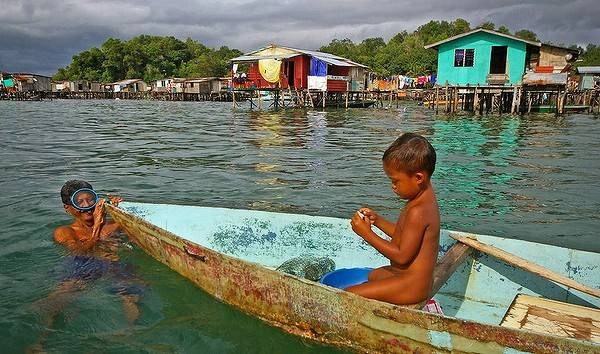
{"type": "Point", "coordinates": [232, 254]}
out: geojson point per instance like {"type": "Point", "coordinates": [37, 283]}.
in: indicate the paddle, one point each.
{"type": "Point", "coordinates": [524, 264]}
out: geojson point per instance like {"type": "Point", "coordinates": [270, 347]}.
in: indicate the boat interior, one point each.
{"type": "Point", "coordinates": [469, 283]}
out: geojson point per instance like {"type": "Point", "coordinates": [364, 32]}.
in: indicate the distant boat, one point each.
{"type": "Point", "coordinates": [490, 306]}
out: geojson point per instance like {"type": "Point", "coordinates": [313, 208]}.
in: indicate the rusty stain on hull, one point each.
{"type": "Point", "coordinates": [328, 315]}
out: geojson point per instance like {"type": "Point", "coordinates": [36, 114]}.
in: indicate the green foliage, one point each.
{"type": "Point", "coordinates": [527, 35]}
{"type": "Point", "coordinates": [404, 53]}
{"type": "Point", "coordinates": [503, 29]}
{"type": "Point", "coordinates": [590, 56]}
{"type": "Point", "coordinates": [155, 57]}
{"type": "Point", "coordinates": [147, 57]}
{"type": "Point", "coordinates": [487, 25]}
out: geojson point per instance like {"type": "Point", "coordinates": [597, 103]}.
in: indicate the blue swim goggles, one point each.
{"type": "Point", "coordinates": [84, 199]}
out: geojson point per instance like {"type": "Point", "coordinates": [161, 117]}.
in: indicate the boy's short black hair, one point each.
{"type": "Point", "coordinates": [70, 187]}
{"type": "Point", "coordinates": [412, 153]}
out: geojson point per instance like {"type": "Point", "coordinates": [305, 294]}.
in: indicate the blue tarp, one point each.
{"type": "Point", "coordinates": [318, 67]}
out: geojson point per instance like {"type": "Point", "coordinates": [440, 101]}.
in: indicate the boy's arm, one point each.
{"type": "Point", "coordinates": [406, 242]}
{"type": "Point", "coordinates": [380, 222]}
{"type": "Point", "coordinates": [386, 226]}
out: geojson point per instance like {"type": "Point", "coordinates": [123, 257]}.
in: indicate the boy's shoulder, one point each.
{"type": "Point", "coordinates": [64, 233]}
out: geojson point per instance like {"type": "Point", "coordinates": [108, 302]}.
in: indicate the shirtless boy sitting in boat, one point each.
{"type": "Point", "coordinates": [409, 163]}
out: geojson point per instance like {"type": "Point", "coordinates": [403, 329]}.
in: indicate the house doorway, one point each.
{"type": "Point", "coordinates": [290, 74]}
{"type": "Point", "coordinates": [498, 60]}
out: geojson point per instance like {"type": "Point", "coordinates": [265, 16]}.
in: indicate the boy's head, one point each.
{"type": "Point", "coordinates": [409, 162]}
{"type": "Point", "coordinates": [411, 153]}
{"type": "Point", "coordinates": [66, 193]}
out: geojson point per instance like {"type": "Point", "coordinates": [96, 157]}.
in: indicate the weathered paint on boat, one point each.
{"type": "Point", "coordinates": [314, 311]}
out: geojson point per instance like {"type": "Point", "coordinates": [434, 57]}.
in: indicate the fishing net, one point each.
{"type": "Point", "coordinates": [308, 267]}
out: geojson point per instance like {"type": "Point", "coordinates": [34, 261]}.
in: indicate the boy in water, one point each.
{"type": "Point", "coordinates": [409, 163]}
{"type": "Point", "coordinates": [93, 254]}
{"type": "Point", "coordinates": [89, 226]}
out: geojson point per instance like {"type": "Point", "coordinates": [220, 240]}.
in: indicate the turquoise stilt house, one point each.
{"type": "Point", "coordinates": [483, 57]}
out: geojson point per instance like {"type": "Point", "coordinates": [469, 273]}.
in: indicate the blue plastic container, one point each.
{"type": "Point", "coordinates": [345, 277]}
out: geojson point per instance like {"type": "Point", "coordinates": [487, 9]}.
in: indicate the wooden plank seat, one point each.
{"type": "Point", "coordinates": [553, 317]}
{"type": "Point", "coordinates": [445, 268]}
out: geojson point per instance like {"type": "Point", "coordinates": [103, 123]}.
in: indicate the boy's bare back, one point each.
{"type": "Point", "coordinates": [414, 243]}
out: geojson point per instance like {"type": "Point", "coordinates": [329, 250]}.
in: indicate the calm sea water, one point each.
{"type": "Point", "coordinates": [534, 178]}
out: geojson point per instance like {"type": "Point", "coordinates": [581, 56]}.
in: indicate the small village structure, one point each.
{"type": "Point", "coordinates": [130, 86]}
{"type": "Point", "coordinates": [298, 76]}
{"type": "Point", "coordinates": [483, 71]}
{"type": "Point", "coordinates": [589, 77]}
{"type": "Point", "coordinates": [170, 85]}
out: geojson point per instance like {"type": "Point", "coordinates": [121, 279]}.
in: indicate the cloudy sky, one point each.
{"type": "Point", "coordinates": [42, 35]}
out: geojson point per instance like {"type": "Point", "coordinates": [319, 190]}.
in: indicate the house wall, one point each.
{"type": "Point", "coordinates": [477, 74]}
{"type": "Point", "coordinates": [550, 56]}
{"type": "Point", "coordinates": [301, 70]}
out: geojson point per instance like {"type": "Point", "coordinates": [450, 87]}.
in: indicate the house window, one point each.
{"type": "Point", "coordinates": [464, 57]}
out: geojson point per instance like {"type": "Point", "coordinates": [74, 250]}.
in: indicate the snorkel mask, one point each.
{"type": "Point", "coordinates": [84, 199]}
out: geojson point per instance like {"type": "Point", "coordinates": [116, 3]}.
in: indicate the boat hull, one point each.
{"type": "Point", "coordinates": [328, 315]}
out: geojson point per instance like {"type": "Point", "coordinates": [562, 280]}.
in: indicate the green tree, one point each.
{"type": "Point", "coordinates": [527, 35]}
{"type": "Point", "coordinates": [590, 57]}
{"type": "Point", "coordinates": [503, 29]}
{"type": "Point", "coordinates": [487, 25]}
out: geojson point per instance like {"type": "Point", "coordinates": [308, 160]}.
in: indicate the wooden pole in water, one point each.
{"type": "Point", "coordinates": [435, 103]}
{"type": "Point", "coordinates": [447, 98]}
{"type": "Point", "coordinates": [476, 102]}
{"type": "Point", "coordinates": [517, 261]}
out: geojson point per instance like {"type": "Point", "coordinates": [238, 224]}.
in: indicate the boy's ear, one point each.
{"type": "Point", "coordinates": [420, 176]}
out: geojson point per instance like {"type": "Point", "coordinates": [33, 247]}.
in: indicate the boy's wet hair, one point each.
{"type": "Point", "coordinates": [412, 153]}
{"type": "Point", "coordinates": [70, 187]}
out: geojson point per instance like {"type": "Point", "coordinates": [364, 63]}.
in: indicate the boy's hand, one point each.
{"type": "Point", "coordinates": [99, 214]}
{"type": "Point", "coordinates": [359, 225]}
{"type": "Point", "coordinates": [369, 214]}
{"type": "Point", "coordinates": [115, 200]}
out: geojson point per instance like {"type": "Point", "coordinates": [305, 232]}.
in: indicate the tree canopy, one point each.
{"type": "Point", "coordinates": [147, 57]}
{"type": "Point", "coordinates": [156, 57]}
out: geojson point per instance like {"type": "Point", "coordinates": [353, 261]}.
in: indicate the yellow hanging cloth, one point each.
{"type": "Point", "coordinates": [269, 69]}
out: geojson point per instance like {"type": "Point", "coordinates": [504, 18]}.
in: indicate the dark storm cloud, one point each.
{"type": "Point", "coordinates": [42, 35]}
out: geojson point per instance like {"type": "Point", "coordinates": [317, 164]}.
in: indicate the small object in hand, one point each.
{"type": "Point", "coordinates": [362, 216]}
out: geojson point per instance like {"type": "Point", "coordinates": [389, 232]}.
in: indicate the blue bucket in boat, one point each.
{"type": "Point", "coordinates": [345, 277]}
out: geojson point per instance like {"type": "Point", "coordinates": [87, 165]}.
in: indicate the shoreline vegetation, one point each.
{"type": "Point", "coordinates": [156, 57]}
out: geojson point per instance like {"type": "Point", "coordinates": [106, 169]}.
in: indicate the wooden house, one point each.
{"type": "Point", "coordinates": [485, 57]}
{"type": "Point", "coordinates": [25, 82]}
{"type": "Point", "coordinates": [171, 85]}
{"type": "Point", "coordinates": [130, 85]}
{"type": "Point", "coordinates": [589, 77]}
{"type": "Point", "coordinates": [286, 67]}
{"type": "Point", "coordinates": [205, 85]}
{"type": "Point", "coordinates": [82, 86]}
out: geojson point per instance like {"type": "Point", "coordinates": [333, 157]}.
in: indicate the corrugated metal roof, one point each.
{"type": "Point", "coordinates": [332, 61]}
{"type": "Point", "coordinates": [251, 58]}
{"type": "Point", "coordinates": [326, 57]}
{"type": "Point", "coordinates": [436, 44]}
{"type": "Point", "coordinates": [126, 82]}
{"type": "Point", "coordinates": [588, 69]}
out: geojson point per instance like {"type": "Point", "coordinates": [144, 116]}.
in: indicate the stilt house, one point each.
{"type": "Point", "coordinates": [299, 69]}
{"type": "Point", "coordinates": [485, 57]}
